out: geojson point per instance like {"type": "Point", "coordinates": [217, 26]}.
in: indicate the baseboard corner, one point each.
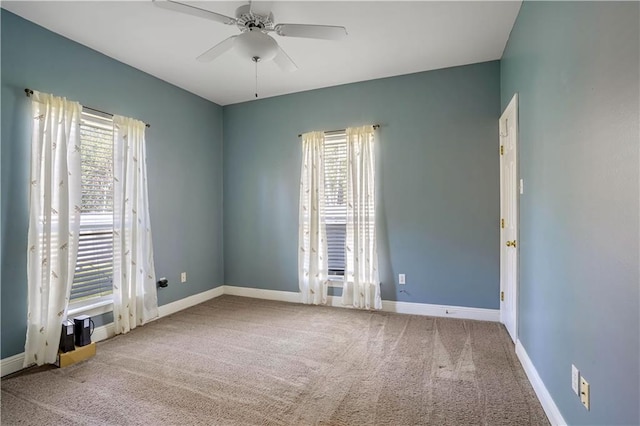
{"type": "Point", "coordinates": [548, 404]}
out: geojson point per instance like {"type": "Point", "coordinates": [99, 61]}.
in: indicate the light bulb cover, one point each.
{"type": "Point", "coordinates": [256, 44]}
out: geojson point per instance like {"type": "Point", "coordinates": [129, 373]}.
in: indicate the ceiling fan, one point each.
{"type": "Point", "coordinates": [255, 22]}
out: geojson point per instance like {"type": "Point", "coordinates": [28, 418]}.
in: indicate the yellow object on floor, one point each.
{"type": "Point", "coordinates": [78, 354]}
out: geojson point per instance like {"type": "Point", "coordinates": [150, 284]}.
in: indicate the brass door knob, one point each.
{"type": "Point", "coordinates": [511, 243]}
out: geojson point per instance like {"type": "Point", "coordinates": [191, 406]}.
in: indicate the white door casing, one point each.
{"type": "Point", "coordinates": [509, 243]}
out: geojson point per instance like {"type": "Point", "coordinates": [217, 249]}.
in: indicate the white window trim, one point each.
{"type": "Point", "coordinates": [91, 307]}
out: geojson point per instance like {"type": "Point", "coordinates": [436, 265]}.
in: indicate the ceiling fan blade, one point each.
{"type": "Point", "coordinates": [217, 50]}
{"type": "Point", "coordinates": [194, 11]}
{"type": "Point", "coordinates": [284, 61]}
{"type": "Point", "coordinates": [262, 8]}
{"type": "Point", "coordinates": [324, 32]}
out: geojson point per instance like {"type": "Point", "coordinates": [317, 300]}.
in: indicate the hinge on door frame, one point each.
{"type": "Point", "coordinates": [501, 149]}
{"type": "Point", "coordinates": [502, 296]}
{"type": "Point", "coordinates": [502, 223]}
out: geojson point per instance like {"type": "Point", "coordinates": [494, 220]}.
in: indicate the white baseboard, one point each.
{"type": "Point", "coordinates": [187, 302]}
{"type": "Point", "coordinates": [387, 305]}
{"type": "Point", "coordinates": [14, 363]}
{"type": "Point", "coordinates": [259, 293]}
{"type": "Point", "coordinates": [11, 364]}
{"type": "Point", "coordinates": [549, 406]}
{"type": "Point", "coordinates": [430, 310]}
{"type": "Point", "coordinates": [103, 332]}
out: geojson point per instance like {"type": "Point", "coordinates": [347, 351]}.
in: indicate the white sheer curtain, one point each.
{"type": "Point", "coordinates": [135, 298]}
{"type": "Point", "coordinates": [54, 222]}
{"type": "Point", "coordinates": [312, 254]}
{"type": "Point", "coordinates": [361, 285]}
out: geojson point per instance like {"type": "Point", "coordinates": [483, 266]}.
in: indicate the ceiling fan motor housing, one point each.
{"type": "Point", "coordinates": [247, 20]}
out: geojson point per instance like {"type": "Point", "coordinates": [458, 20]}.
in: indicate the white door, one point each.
{"type": "Point", "coordinates": [509, 243]}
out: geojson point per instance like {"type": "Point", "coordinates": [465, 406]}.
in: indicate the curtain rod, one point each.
{"type": "Point", "coordinates": [29, 92]}
{"type": "Point", "coordinates": [375, 126]}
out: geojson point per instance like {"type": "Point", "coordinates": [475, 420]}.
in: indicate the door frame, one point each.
{"type": "Point", "coordinates": [512, 107]}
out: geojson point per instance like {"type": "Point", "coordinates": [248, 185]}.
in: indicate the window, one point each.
{"type": "Point", "coordinates": [335, 184]}
{"type": "Point", "coordinates": [94, 269]}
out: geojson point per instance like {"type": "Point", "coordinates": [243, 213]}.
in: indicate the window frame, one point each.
{"type": "Point", "coordinates": [336, 140]}
{"type": "Point", "coordinates": [100, 303]}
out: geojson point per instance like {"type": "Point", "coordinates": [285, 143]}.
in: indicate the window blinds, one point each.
{"type": "Point", "coordinates": [94, 268]}
{"type": "Point", "coordinates": [335, 183]}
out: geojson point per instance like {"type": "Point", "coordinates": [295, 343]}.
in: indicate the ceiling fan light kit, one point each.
{"type": "Point", "coordinates": [256, 44]}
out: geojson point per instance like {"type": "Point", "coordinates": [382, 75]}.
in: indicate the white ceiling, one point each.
{"type": "Point", "coordinates": [386, 38]}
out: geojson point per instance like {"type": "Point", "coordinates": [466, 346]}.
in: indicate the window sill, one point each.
{"type": "Point", "coordinates": [92, 308]}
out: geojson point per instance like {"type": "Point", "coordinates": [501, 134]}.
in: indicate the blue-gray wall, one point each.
{"type": "Point", "coordinates": [575, 67]}
{"type": "Point", "coordinates": [438, 181]}
{"type": "Point", "coordinates": [184, 161]}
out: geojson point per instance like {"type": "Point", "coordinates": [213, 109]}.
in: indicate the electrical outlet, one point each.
{"type": "Point", "coordinates": [183, 277]}
{"type": "Point", "coordinates": [401, 279]}
{"type": "Point", "coordinates": [575, 379]}
{"type": "Point", "coordinates": [584, 392]}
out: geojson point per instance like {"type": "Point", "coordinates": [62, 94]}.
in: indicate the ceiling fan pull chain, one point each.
{"type": "Point", "coordinates": [256, 59]}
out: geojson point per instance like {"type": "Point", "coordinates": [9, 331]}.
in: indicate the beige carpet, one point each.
{"type": "Point", "coordinates": [239, 361]}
